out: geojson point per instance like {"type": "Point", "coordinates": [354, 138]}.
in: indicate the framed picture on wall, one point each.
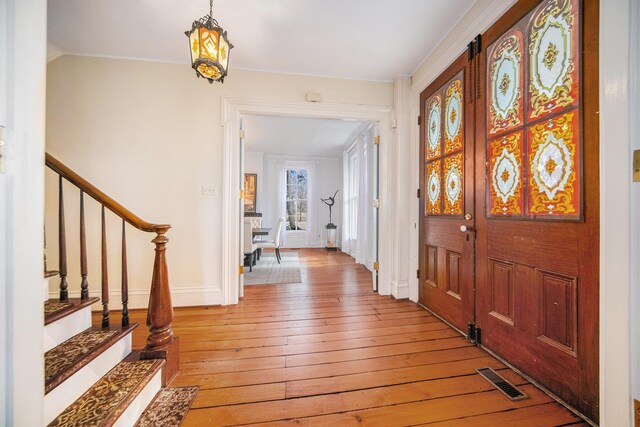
{"type": "Point", "coordinates": [250, 191]}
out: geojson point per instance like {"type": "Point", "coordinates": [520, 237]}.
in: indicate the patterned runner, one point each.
{"type": "Point", "coordinates": [68, 353]}
{"type": "Point", "coordinates": [103, 402]}
{"type": "Point", "coordinates": [169, 407]}
{"type": "Point", "coordinates": [51, 307]}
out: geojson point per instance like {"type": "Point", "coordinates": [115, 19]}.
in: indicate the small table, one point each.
{"type": "Point", "coordinates": [260, 231]}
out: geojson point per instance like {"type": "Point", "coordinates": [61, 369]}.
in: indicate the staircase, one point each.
{"type": "Point", "coordinates": [93, 377]}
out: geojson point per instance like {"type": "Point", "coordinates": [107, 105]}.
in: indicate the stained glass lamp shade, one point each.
{"type": "Point", "coordinates": [209, 48]}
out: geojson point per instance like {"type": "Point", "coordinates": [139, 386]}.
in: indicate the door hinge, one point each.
{"type": "Point", "coordinates": [418, 274]}
{"type": "Point", "coordinates": [474, 47]}
{"type": "Point", "coordinates": [241, 269]}
{"type": "Point", "coordinates": [376, 203]}
{"type": "Point", "coordinates": [474, 333]}
{"type": "Point", "coordinates": [477, 42]}
{"type": "Point", "coordinates": [376, 140]}
{"type": "Point", "coordinates": [418, 193]}
{"type": "Point", "coordinates": [242, 134]}
{"type": "Point", "coordinates": [376, 266]}
{"type": "Point", "coordinates": [419, 120]}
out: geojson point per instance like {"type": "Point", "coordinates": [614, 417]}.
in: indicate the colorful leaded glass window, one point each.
{"type": "Point", "coordinates": [533, 116]}
{"type": "Point", "coordinates": [444, 149]}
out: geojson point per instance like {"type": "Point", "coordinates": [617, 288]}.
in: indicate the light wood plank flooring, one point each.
{"type": "Point", "coordinates": [329, 351]}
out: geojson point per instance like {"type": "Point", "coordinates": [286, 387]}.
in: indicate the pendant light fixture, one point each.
{"type": "Point", "coordinates": [209, 48]}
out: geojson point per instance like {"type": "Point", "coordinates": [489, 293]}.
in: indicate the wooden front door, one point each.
{"type": "Point", "coordinates": [447, 196]}
{"type": "Point", "coordinates": [535, 102]}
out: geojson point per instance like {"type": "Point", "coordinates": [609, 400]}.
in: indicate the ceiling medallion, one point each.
{"type": "Point", "coordinates": [209, 47]}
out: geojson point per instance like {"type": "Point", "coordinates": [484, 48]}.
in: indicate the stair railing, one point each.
{"type": "Point", "coordinates": [160, 342]}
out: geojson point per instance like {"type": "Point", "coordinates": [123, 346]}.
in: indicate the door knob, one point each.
{"type": "Point", "coordinates": [465, 229]}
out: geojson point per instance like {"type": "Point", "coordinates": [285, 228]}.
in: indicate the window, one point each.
{"type": "Point", "coordinates": [297, 185]}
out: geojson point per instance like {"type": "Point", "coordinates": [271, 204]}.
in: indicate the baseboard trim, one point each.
{"type": "Point", "coordinates": [139, 298]}
{"type": "Point", "coordinates": [400, 289]}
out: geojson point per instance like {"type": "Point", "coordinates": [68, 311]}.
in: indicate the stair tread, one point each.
{"type": "Point", "coordinates": [108, 398]}
{"type": "Point", "coordinates": [54, 309]}
{"type": "Point", "coordinates": [169, 407]}
{"type": "Point", "coordinates": [72, 355]}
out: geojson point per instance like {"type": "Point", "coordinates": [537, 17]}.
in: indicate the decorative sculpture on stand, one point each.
{"type": "Point", "coordinates": [332, 229]}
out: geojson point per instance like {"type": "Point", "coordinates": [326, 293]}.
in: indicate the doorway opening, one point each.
{"type": "Point", "coordinates": [235, 113]}
{"type": "Point", "coordinates": [307, 184]}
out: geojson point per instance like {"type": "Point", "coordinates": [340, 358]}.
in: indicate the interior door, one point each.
{"type": "Point", "coordinates": [537, 198]}
{"type": "Point", "coordinates": [447, 236]}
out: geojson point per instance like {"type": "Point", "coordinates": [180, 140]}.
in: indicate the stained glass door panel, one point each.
{"type": "Point", "coordinates": [446, 253]}
{"type": "Point", "coordinates": [537, 247]}
{"type": "Point", "coordinates": [529, 87]}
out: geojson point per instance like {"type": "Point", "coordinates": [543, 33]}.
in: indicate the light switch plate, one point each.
{"type": "Point", "coordinates": [208, 191]}
{"type": "Point", "coordinates": [636, 166]}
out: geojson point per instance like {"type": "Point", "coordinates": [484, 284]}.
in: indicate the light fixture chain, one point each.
{"type": "Point", "coordinates": [211, 8]}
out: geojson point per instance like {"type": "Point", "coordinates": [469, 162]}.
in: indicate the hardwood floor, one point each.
{"type": "Point", "coordinates": [329, 351]}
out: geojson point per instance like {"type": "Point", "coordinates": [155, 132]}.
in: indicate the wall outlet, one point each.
{"type": "Point", "coordinates": [209, 191]}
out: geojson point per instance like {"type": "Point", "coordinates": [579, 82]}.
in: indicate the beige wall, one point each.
{"type": "Point", "coordinates": [149, 135]}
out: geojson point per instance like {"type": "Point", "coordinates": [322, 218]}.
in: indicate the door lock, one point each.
{"type": "Point", "coordinates": [468, 217]}
{"type": "Point", "coordinates": [466, 229]}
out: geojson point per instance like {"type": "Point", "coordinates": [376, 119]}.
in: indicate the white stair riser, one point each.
{"type": "Point", "coordinates": [69, 391]}
{"type": "Point", "coordinates": [62, 329]}
{"type": "Point", "coordinates": [140, 403]}
{"type": "Point", "coordinates": [45, 290]}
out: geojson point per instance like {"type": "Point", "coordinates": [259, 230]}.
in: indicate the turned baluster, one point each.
{"type": "Point", "coordinates": [125, 280]}
{"type": "Point", "coordinates": [84, 284]}
{"type": "Point", "coordinates": [105, 275]}
{"type": "Point", "coordinates": [62, 245]}
{"type": "Point", "coordinates": [160, 312]}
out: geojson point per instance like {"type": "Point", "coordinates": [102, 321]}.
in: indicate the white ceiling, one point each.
{"type": "Point", "coordinates": [357, 39]}
{"type": "Point", "coordinates": [299, 136]}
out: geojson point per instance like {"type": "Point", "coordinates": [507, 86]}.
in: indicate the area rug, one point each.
{"type": "Point", "coordinates": [268, 271]}
{"type": "Point", "coordinates": [169, 407]}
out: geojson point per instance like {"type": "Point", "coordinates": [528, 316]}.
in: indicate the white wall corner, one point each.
{"type": "Point", "coordinates": [400, 289]}
{"type": "Point", "coordinates": [615, 220]}
{"type": "Point", "coordinates": [23, 38]}
{"type": "Point", "coordinates": [53, 52]}
{"type": "Point", "coordinates": [402, 187]}
{"type": "Point", "coordinates": [634, 111]}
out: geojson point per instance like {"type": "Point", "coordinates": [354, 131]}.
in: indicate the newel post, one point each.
{"type": "Point", "coordinates": [161, 343]}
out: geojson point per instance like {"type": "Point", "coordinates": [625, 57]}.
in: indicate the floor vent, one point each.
{"type": "Point", "coordinates": [501, 384]}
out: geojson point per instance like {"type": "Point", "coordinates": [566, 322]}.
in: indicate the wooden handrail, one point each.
{"type": "Point", "coordinates": [90, 189]}
{"type": "Point", "coordinates": [161, 343]}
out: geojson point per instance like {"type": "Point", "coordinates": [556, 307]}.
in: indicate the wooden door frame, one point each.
{"type": "Point", "coordinates": [232, 110]}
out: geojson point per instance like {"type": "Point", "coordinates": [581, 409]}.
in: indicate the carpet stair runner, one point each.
{"type": "Point", "coordinates": [169, 407]}
{"type": "Point", "coordinates": [130, 390]}
{"type": "Point", "coordinates": [55, 309]}
{"type": "Point", "coordinates": [72, 355]}
{"type": "Point", "coordinates": [107, 399]}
